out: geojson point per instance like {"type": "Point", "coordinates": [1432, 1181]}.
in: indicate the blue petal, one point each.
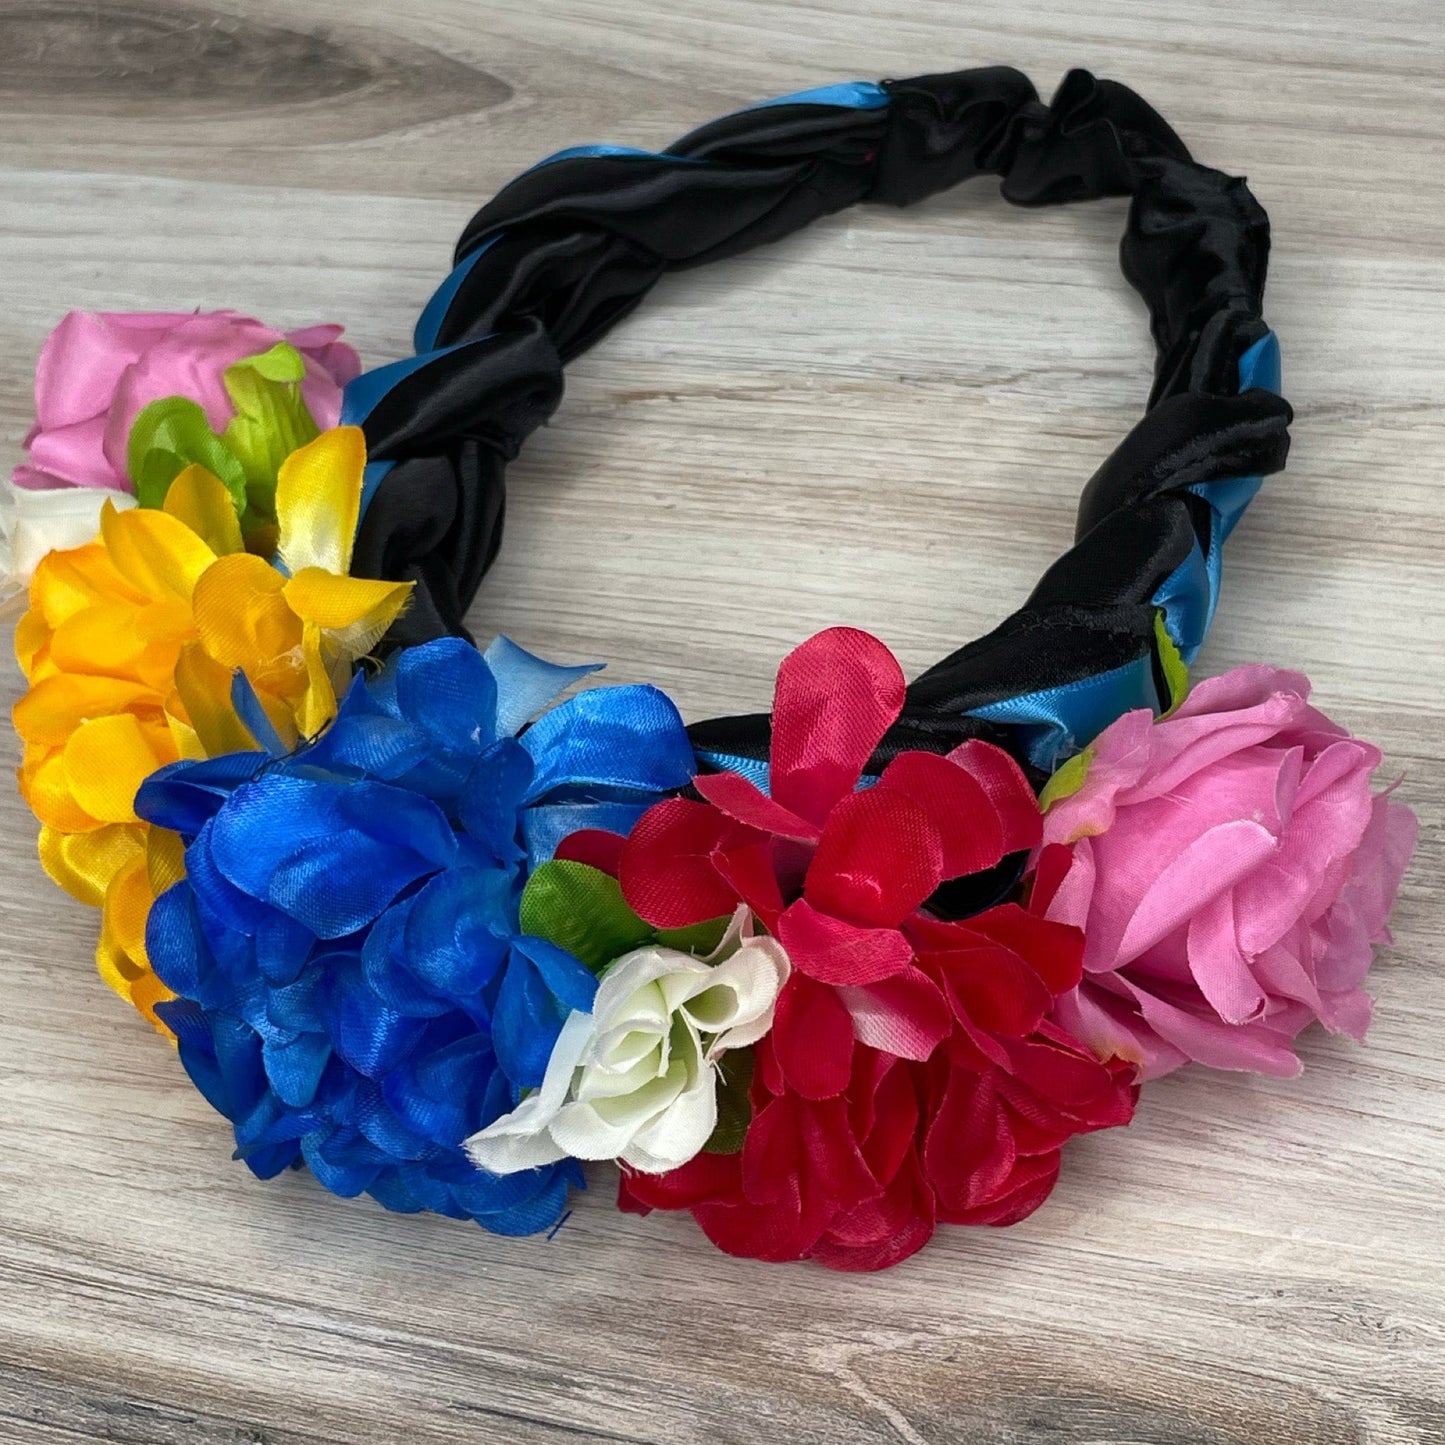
{"type": "Point", "coordinates": [526, 684]}
{"type": "Point", "coordinates": [530, 1011]}
{"type": "Point", "coordinates": [492, 797]}
{"type": "Point", "coordinates": [611, 737]}
{"type": "Point", "coordinates": [294, 1069]}
{"type": "Point", "coordinates": [371, 1037]}
{"type": "Point", "coordinates": [571, 982]}
{"type": "Point", "coordinates": [343, 1161]}
{"type": "Point", "coordinates": [183, 796]}
{"type": "Point", "coordinates": [446, 688]}
{"type": "Point", "coordinates": [253, 715]}
{"type": "Point", "coordinates": [449, 943]}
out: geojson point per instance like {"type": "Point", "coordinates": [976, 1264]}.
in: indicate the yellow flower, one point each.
{"type": "Point", "coordinates": [130, 646]}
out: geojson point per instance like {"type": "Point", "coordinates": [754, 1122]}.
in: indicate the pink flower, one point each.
{"type": "Point", "coordinates": [1231, 871]}
{"type": "Point", "coordinates": [97, 372]}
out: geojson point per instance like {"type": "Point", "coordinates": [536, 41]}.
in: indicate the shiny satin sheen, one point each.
{"type": "Point", "coordinates": [566, 250]}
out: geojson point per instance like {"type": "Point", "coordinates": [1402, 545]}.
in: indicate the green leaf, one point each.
{"type": "Point", "coordinates": [582, 910]}
{"type": "Point", "coordinates": [698, 939]}
{"type": "Point", "coordinates": [734, 1104]}
{"type": "Point", "coordinates": [1067, 780]}
{"type": "Point", "coordinates": [170, 435]}
{"type": "Point", "coordinates": [271, 421]}
{"type": "Point", "coordinates": [1176, 671]}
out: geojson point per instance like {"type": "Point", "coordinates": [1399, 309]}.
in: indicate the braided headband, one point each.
{"type": "Point", "coordinates": [824, 977]}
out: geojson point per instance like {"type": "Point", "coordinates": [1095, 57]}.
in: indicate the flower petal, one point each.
{"type": "Point", "coordinates": [836, 696]}
{"type": "Point", "coordinates": [835, 952]}
{"type": "Point", "coordinates": [318, 501]}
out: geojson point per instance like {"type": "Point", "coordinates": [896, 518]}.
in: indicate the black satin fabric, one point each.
{"type": "Point", "coordinates": [569, 248]}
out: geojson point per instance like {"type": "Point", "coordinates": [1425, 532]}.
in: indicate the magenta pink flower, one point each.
{"type": "Point", "coordinates": [1231, 871]}
{"type": "Point", "coordinates": [97, 372]}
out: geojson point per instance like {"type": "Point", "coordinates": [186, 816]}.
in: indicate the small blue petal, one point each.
{"type": "Point", "coordinates": [526, 684]}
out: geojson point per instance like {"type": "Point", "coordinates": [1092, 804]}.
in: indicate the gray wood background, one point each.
{"type": "Point", "coordinates": [884, 422]}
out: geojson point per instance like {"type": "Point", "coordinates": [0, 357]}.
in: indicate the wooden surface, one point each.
{"type": "Point", "coordinates": [884, 422]}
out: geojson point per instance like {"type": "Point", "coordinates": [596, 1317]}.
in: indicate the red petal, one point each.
{"type": "Point", "coordinates": [777, 1232]}
{"type": "Point", "coordinates": [969, 1153]}
{"type": "Point", "coordinates": [836, 696]}
{"type": "Point", "coordinates": [812, 1039]}
{"type": "Point", "coordinates": [667, 874]}
{"type": "Point", "coordinates": [838, 953]}
{"type": "Point", "coordinates": [746, 802]}
{"type": "Point", "coordinates": [1050, 871]}
{"type": "Point", "coordinates": [1008, 790]}
{"type": "Point", "coordinates": [879, 857]}
{"type": "Point", "coordinates": [1031, 1182]}
{"type": "Point", "coordinates": [703, 1179]}
{"type": "Point", "coordinates": [1055, 951]}
{"type": "Point", "coordinates": [883, 1231]}
{"type": "Point", "coordinates": [595, 847]}
{"type": "Point", "coordinates": [968, 825]}
{"type": "Point", "coordinates": [905, 1016]}
{"type": "Point", "coordinates": [748, 869]}
{"type": "Point", "coordinates": [993, 988]}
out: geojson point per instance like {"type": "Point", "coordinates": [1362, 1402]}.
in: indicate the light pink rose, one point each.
{"type": "Point", "coordinates": [97, 372]}
{"type": "Point", "coordinates": [1231, 871]}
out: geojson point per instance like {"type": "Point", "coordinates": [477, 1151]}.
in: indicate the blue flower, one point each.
{"type": "Point", "coordinates": [352, 990]}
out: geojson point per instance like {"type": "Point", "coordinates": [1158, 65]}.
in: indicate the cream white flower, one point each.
{"type": "Point", "coordinates": [636, 1079]}
{"type": "Point", "coordinates": [34, 521]}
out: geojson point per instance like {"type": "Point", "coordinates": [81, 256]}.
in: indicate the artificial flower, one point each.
{"type": "Point", "coordinates": [130, 645]}
{"type": "Point", "coordinates": [912, 1073]}
{"type": "Point", "coordinates": [352, 985]}
{"type": "Point", "coordinates": [1231, 871]}
{"type": "Point", "coordinates": [98, 372]}
{"type": "Point", "coordinates": [635, 1078]}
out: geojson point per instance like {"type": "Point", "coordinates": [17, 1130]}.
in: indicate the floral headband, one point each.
{"type": "Point", "coordinates": [823, 978]}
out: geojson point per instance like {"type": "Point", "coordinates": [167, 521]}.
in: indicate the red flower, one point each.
{"type": "Point", "coordinates": [911, 1073]}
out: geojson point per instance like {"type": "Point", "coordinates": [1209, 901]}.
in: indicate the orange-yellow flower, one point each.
{"type": "Point", "coordinates": [130, 646]}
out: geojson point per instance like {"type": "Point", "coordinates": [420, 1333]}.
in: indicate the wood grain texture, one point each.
{"type": "Point", "coordinates": [883, 422]}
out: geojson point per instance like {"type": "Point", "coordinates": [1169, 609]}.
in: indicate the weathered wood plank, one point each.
{"type": "Point", "coordinates": [884, 422]}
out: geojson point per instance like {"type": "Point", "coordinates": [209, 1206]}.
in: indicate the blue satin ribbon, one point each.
{"type": "Point", "coordinates": [1061, 720]}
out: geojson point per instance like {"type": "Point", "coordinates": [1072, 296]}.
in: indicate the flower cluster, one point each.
{"type": "Point", "coordinates": [129, 648]}
{"type": "Point", "coordinates": [352, 984]}
{"type": "Point", "coordinates": [214, 387]}
{"type": "Point", "coordinates": [448, 937]}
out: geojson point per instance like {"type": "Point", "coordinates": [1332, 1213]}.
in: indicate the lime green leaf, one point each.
{"type": "Point", "coordinates": [1176, 672]}
{"type": "Point", "coordinates": [734, 1105]}
{"type": "Point", "coordinates": [168, 436]}
{"type": "Point", "coordinates": [271, 420]}
{"type": "Point", "coordinates": [582, 910]}
{"type": "Point", "coordinates": [1067, 780]}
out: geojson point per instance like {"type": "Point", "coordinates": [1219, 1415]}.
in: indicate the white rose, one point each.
{"type": "Point", "coordinates": [35, 521]}
{"type": "Point", "coordinates": [636, 1079]}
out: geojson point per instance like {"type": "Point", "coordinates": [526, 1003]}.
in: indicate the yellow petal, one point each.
{"type": "Point", "coordinates": [157, 554]}
{"type": "Point", "coordinates": [165, 859]}
{"type": "Point", "coordinates": [32, 634]}
{"type": "Point", "coordinates": [318, 704]}
{"type": "Point", "coordinates": [318, 500]}
{"type": "Point", "coordinates": [204, 688]}
{"type": "Point", "coordinates": [353, 611]}
{"type": "Point", "coordinates": [242, 617]}
{"type": "Point", "coordinates": [84, 863]}
{"type": "Point", "coordinates": [66, 582]}
{"type": "Point", "coordinates": [199, 498]}
{"type": "Point", "coordinates": [45, 785]}
{"type": "Point", "coordinates": [54, 708]}
{"type": "Point", "coordinates": [108, 758]}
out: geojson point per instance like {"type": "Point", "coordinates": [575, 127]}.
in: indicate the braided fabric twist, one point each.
{"type": "Point", "coordinates": [567, 249]}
